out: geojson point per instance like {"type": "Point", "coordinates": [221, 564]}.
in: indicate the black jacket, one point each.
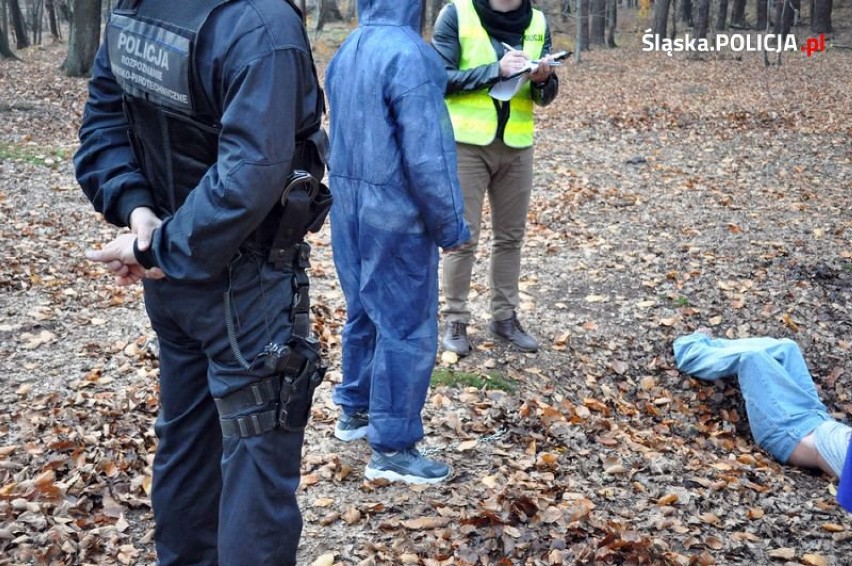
{"type": "Point", "coordinates": [254, 72]}
{"type": "Point", "coordinates": [445, 39]}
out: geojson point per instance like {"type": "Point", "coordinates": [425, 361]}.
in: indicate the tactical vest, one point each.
{"type": "Point", "coordinates": [474, 114]}
{"type": "Point", "coordinates": [173, 130]}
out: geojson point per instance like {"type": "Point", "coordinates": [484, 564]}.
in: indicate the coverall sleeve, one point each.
{"type": "Point", "coordinates": [264, 104]}
{"type": "Point", "coordinates": [445, 40]}
{"type": "Point", "coordinates": [543, 94]}
{"type": "Point", "coordinates": [105, 165]}
{"type": "Point", "coordinates": [425, 137]}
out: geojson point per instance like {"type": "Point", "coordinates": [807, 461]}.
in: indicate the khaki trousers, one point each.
{"type": "Point", "coordinates": [505, 175]}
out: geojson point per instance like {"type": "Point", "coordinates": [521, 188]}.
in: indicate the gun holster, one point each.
{"type": "Point", "coordinates": [302, 373]}
{"type": "Point", "coordinates": [298, 370]}
{"type": "Point", "coordinates": [305, 200]}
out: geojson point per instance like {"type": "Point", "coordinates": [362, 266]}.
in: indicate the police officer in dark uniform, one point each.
{"type": "Point", "coordinates": [202, 135]}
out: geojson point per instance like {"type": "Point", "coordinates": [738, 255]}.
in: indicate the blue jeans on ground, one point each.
{"type": "Point", "coordinates": [226, 501]}
{"type": "Point", "coordinates": [781, 399]}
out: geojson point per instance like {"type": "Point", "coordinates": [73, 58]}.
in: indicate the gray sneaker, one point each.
{"type": "Point", "coordinates": [349, 428]}
{"type": "Point", "coordinates": [408, 466]}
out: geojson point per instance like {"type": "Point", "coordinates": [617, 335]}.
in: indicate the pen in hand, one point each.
{"type": "Point", "coordinates": [552, 63]}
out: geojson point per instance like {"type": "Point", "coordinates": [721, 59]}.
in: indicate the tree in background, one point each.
{"type": "Point", "coordinates": [436, 8]}
{"type": "Point", "coordinates": [85, 37]}
{"type": "Point", "coordinates": [821, 16]}
{"type": "Point", "coordinates": [738, 18]}
{"type": "Point", "coordinates": [703, 18]}
{"type": "Point", "coordinates": [785, 12]}
{"type": "Point", "coordinates": [722, 17]}
{"type": "Point", "coordinates": [52, 21]}
{"type": "Point", "coordinates": [762, 15]}
{"type": "Point", "coordinates": [21, 39]}
{"type": "Point", "coordinates": [597, 22]}
{"type": "Point", "coordinates": [327, 11]}
{"type": "Point", "coordinates": [783, 16]}
{"type": "Point", "coordinates": [661, 17]}
{"type": "Point", "coordinates": [611, 21]}
{"type": "Point", "coordinates": [36, 13]}
{"type": "Point", "coordinates": [5, 50]}
{"type": "Point", "coordinates": [685, 12]}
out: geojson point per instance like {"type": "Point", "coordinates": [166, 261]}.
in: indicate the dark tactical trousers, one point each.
{"type": "Point", "coordinates": [216, 500]}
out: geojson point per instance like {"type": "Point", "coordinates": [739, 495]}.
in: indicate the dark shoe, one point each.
{"type": "Point", "coordinates": [455, 339]}
{"type": "Point", "coordinates": [349, 428]}
{"type": "Point", "coordinates": [511, 331]}
{"type": "Point", "coordinates": [408, 466]}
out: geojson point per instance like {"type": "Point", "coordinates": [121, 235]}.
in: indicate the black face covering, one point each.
{"type": "Point", "coordinates": [507, 27]}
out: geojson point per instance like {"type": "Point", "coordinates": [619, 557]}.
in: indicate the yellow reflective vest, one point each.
{"type": "Point", "coordinates": [473, 114]}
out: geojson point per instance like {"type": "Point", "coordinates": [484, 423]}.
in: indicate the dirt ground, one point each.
{"type": "Point", "coordinates": [670, 194]}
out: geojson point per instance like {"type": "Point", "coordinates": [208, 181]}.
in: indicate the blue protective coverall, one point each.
{"type": "Point", "coordinates": [392, 172]}
{"type": "Point", "coordinates": [216, 500]}
{"type": "Point", "coordinates": [844, 490]}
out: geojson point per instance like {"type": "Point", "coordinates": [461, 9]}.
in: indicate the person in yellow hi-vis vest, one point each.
{"type": "Point", "coordinates": [481, 43]}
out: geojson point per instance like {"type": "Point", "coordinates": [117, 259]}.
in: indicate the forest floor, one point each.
{"type": "Point", "coordinates": [670, 193]}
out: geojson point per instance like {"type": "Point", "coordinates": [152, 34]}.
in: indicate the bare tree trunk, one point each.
{"type": "Point", "coordinates": [661, 17]}
{"type": "Point", "coordinates": [51, 19]}
{"type": "Point", "coordinates": [352, 9]}
{"type": "Point", "coordinates": [37, 15]}
{"type": "Point", "coordinates": [84, 38]}
{"type": "Point", "coordinates": [673, 10]}
{"type": "Point", "coordinates": [703, 21]}
{"type": "Point", "coordinates": [821, 16]}
{"type": "Point", "coordinates": [686, 12]}
{"type": "Point", "coordinates": [784, 14]}
{"type": "Point", "coordinates": [584, 24]}
{"type": "Point", "coordinates": [611, 22]}
{"type": "Point", "coordinates": [738, 17]}
{"type": "Point", "coordinates": [65, 10]}
{"type": "Point", "coordinates": [437, 5]}
{"type": "Point", "coordinates": [578, 39]}
{"type": "Point", "coordinates": [21, 39]}
{"type": "Point", "coordinates": [762, 15]}
{"type": "Point", "coordinates": [327, 11]}
{"type": "Point", "coordinates": [722, 16]}
{"type": "Point", "coordinates": [597, 23]}
{"type": "Point", "coordinates": [5, 50]}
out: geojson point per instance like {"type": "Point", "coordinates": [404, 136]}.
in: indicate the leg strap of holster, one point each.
{"type": "Point", "coordinates": [299, 370]}
{"type": "Point", "coordinates": [254, 424]}
{"type": "Point", "coordinates": [255, 395]}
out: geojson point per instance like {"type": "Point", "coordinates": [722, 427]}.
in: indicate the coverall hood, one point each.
{"type": "Point", "coordinates": [389, 12]}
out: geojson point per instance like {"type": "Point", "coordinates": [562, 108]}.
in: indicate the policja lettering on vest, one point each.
{"type": "Point", "coordinates": [148, 51]}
